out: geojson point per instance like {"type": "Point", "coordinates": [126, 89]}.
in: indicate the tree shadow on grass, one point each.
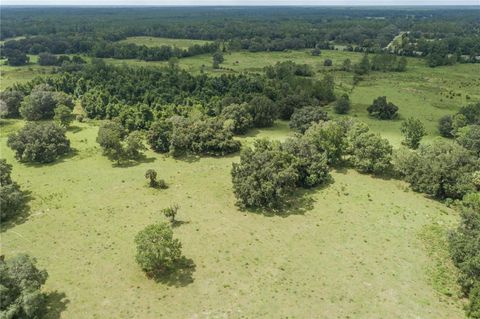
{"type": "Point", "coordinates": [178, 223]}
{"type": "Point", "coordinates": [180, 277]}
{"type": "Point", "coordinates": [134, 162]}
{"type": "Point", "coordinates": [72, 153]}
{"type": "Point", "coordinates": [56, 304]}
{"type": "Point", "coordinates": [21, 215]}
{"type": "Point", "coordinates": [299, 203]}
{"type": "Point", "coordinates": [74, 129]}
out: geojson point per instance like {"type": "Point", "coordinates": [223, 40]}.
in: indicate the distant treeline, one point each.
{"type": "Point", "coordinates": [442, 34]}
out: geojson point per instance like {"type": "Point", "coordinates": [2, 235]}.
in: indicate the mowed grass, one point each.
{"type": "Point", "coordinates": [156, 42]}
{"type": "Point", "coordinates": [356, 250]}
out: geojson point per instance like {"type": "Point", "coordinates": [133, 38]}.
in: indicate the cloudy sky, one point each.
{"type": "Point", "coordinates": [240, 2]}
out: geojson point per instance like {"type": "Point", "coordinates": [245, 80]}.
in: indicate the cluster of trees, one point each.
{"type": "Point", "coordinates": [77, 30]}
{"type": "Point", "coordinates": [383, 110]}
{"type": "Point", "coordinates": [269, 173]}
{"type": "Point", "coordinates": [46, 58]}
{"type": "Point", "coordinates": [382, 61]}
{"type": "Point", "coordinates": [39, 142]}
{"type": "Point", "coordinates": [464, 247]}
{"type": "Point", "coordinates": [21, 282]}
{"type": "Point", "coordinates": [464, 126]}
{"type": "Point", "coordinates": [12, 198]}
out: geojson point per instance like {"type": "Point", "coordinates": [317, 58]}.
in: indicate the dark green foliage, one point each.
{"type": "Point", "coordinates": [306, 116]}
{"type": "Point", "coordinates": [265, 177]}
{"type": "Point", "coordinates": [464, 248]}
{"type": "Point", "coordinates": [157, 250]}
{"type": "Point", "coordinates": [63, 115]}
{"type": "Point", "coordinates": [217, 59]}
{"type": "Point", "coordinates": [21, 282]}
{"type": "Point", "coordinates": [12, 199]}
{"type": "Point", "coordinates": [370, 153]}
{"type": "Point", "coordinates": [151, 175]}
{"type": "Point", "coordinates": [16, 58]}
{"type": "Point", "coordinates": [287, 69]}
{"type": "Point", "coordinates": [342, 105]}
{"type": "Point", "coordinates": [158, 136]}
{"type": "Point", "coordinates": [39, 142]}
{"type": "Point", "coordinates": [445, 126]}
{"type": "Point", "coordinates": [117, 145]}
{"type": "Point", "coordinates": [388, 63]}
{"type": "Point", "coordinates": [238, 113]}
{"type": "Point", "coordinates": [41, 103]}
{"type": "Point", "coordinates": [316, 52]}
{"type": "Point", "coordinates": [442, 169]}
{"type": "Point", "coordinates": [413, 130]}
{"type": "Point", "coordinates": [12, 99]}
{"type": "Point", "coordinates": [263, 111]}
{"type": "Point", "coordinates": [327, 62]}
{"type": "Point", "coordinates": [288, 104]}
{"type": "Point", "coordinates": [329, 138]}
{"type": "Point", "coordinates": [311, 164]}
{"type": "Point", "coordinates": [363, 67]}
{"type": "Point", "coordinates": [469, 137]}
{"type": "Point", "coordinates": [46, 58]}
{"type": "Point", "coordinates": [204, 137]}
{"type": "Point", "coordinates": [347, 65]}
{"type": "Point", "coordinates": [382, 109]}
{"type": "Point", "coordinates": [138, 117]}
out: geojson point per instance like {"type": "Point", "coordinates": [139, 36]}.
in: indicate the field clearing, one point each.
{"type": "Point", "coordinates": [156, 42]}
{"type": "Point", "coordinates": [9, 75]}
{"type": "Point", "coordinates": [355, 242]}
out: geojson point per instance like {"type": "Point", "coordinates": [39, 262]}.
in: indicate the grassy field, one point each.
{"type": "Point", "coordinates": [355, 248]}
{"type": "Point", "coordinates": [9, 75]}
{"type": "Point", "coordinates": [156, 42]}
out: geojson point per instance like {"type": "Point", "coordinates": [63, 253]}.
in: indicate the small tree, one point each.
{"type": "Point", "coordinates": [342, 105]}
{"type": "Point", "coordinates": [110, 139]}
{"type": "Point", "coordinates": [306, 116]}
{"type": "Point", "coordinates": [63, 115]}
{"type": "Point", "coordinates": [217, 59]}
{"type": "Point", "coordinates": [263, 111]}
{"type": "Point", "coordinates": [445, 126]}
{"type": "Point", "coordinates": [157, 250]}
{"type": "Point", "coordinates": [39, 142]}
{"type": "Point", "coordinates": [171, 212]}
{"type": "Point", "coordinates": [413, 130]}
{"type": "Point", "coordinates": [151, 174]}
{"type": "Point", "coordinates": [327, 62]}
{"type": "Point", "coordinates": [12, 199]}
{"type": "Point", "coordinates": [238, 113]}
{"type": "Point", "coordinates": [134, 146]}
{"type": "Point", "coordinates": [21, 282]}
{"type": "Point", "coordinates": [382, 109]}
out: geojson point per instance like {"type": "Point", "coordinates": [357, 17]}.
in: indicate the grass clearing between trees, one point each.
{"type": "Point", "coordinates": [157, 42]}
{"type": "Point", "coordinates": [355, 242]}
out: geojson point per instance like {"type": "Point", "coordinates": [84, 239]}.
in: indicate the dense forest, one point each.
{"type": "Point", "coordinates": [443, 35]}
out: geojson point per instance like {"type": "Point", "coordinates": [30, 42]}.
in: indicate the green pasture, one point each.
{"type": "Point", "coordinates": [156, 42]}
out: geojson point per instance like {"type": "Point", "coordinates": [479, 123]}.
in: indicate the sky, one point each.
{"type": "Point", "coordinates": [239, 2]}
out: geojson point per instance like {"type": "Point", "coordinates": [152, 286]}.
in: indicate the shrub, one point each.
{"type": "Point", "coordinates": [263, 111]}
{"type": "Point", "coordinates": [473, 308]}
{"type": "Point", "coordinates": [12, 100]}
{"type": "Point", "coordinates": [327, 62]}
{"type": "Point", "coordinates": [265, 177]}
{"type": "Point", "coordinates": [445, 126]}
{"type": "Point", "coordinates": [238, 113]}
{"type": "Point", "coordinates": [117, 145]}
{"type": "Point", "coordinates": [157, 250]}
{"type": "Point", "coordinates": [21, 282]}
{"type": "Point", "coordinates": [370, 153]}
{"type": "Point", "coordinates": [305, 117]}
{"type": "Point", "coordinates": [382, 109]}
{"type": "Point", "coordinates": [151, 175]}
{"type": "Point", "coordinates": [39, 142]}
{"type": "Point", "coordinates": [63, 115]}
{"type": "Point", "coordinates": [329, 138]}
{"type": "Point", "coordinates": [469, 137]}
{"type": "Point", "coordinates": [442, 170]}
{"type": "Point", "coordinates": [170, 212]}
{"type": "Point", "coordinates": [413, 130]}
{"type": "Point", "coordinates": [158, 136]}
{"type": "Point", "coordinates": [12, 199]}
{"type": "Point", "coordinates": [342, 105]}
{"type": "Point", "coordinates": [207, 137]}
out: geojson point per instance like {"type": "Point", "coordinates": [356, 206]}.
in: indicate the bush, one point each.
{"type": "Point", "coordinates": [342, 106]}
{"type": "Point", "coordinates": [305, 117]}
{"type": "Point", "coordinates": [414, 131]}
{"type": "Point", "coordinates": [473, 308]}
{"type": "Point", "coordinates": [370, 153]}
{"type": "Point", "coordinates": [329, 138]}
{"type": "Point", "coordinates": [291, 102]}
{"type": "Point", "coordinates": [39, 142]}
{"type": "Point", "coordinates": [63, 115]}
{"type": "Point", "coordinates": [206, 137]}
{"type": "Point", "coordinates": [170, 212]}
{"type": "Point", "coordinates": [238, 113]}
{"type": "Point", "coordinates": [265, 177]}
{"type": "Point", "coordinates": [158, 136]}
{"type": "Point", "coordinates": [12, 99]}
{"type": "Point", "coordinates": [382, 110]}
{"type": "Point", "coordinates": [38, 105]}
{"type": "Point", "coordinates": [151, 174]}
{"type": "Point", "coordinates": [117, 145]}
{"type": "Point", "coordinates": [469, 137]}
{"type": "Point", "coordinates": [445, 126]}
{"type": "Point", "coordinates": [21, 282]}
{"type": "Point", "coordinates": [443, 170]}
{"type": "Point", "coordinates": [263, 111]}
{"type": "Point", "coordinates": [327, 62]}
{"type": "Point", "coordinates": [157, 250]}
{"type": "Point", "coordinates": [12, 199]}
